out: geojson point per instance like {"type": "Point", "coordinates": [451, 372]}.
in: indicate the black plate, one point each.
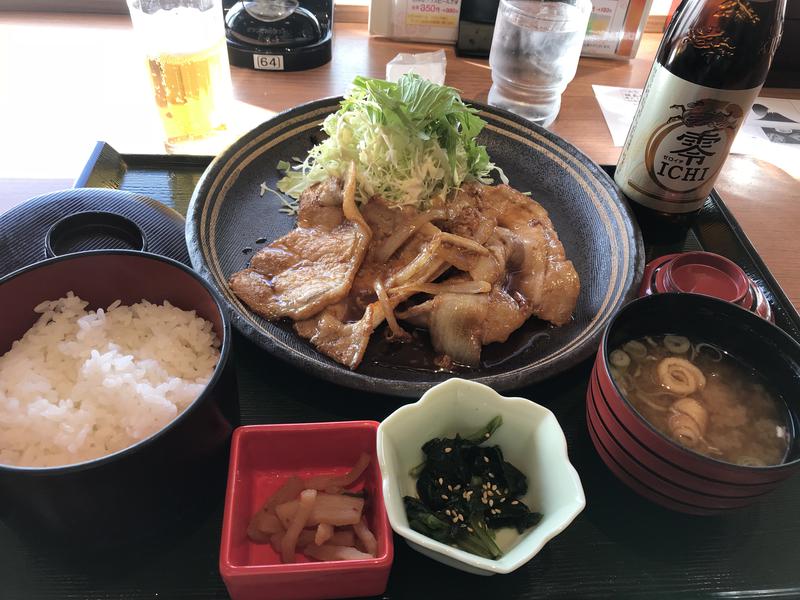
{"type": "Point", "coordinates": [227, 217]}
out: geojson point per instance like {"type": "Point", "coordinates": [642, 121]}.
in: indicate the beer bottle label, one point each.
{"type": "Point", "coordinates": [679, 140]}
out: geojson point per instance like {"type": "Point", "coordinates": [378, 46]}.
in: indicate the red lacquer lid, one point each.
{"type": "Point", "coordinates": [704, 273]}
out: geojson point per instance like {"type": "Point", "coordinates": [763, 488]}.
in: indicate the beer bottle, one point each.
{"type": "Point", "coordinates": [709, 68]}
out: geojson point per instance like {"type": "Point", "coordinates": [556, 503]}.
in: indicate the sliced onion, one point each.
{"type": "Point", "coordinates": [399, 237]}
{"type": "Point", "coordinates": [388, 313]}
{"type": "Point", "coordinates": [429, 229]}
{"type": "Point", "coordinates": [349, 207]}
{"type": "Point", "coordinates": [456, 287]}
{"type": "Point", "coordinates": [417, 265]}
{"type": "Point", "coordinates": [463, 242]}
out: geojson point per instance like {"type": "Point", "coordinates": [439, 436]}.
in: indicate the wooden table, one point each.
{"type": "Point", "coordinates": [67, 81]}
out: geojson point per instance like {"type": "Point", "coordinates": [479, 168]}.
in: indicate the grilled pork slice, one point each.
{"type": "Point", "coordinates": [545, 281]}
{"type": "Point", "coordinates": [312, 266]}
{"type": "Point", "coordinates": [344, 342]}
{"type": "Point", "coordinates": [525, 266]}
{"type": "Point", "coordinates": [342, 272]}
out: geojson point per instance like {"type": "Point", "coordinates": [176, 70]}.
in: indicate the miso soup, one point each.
{"type": "Point", "coordinates": [703, 398]}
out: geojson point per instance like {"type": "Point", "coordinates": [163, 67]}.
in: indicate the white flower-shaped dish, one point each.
{"type": "Point", "coordinates": [531, 439]}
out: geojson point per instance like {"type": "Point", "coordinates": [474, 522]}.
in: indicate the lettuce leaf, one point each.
{"type": "Point", "coordinates": [411, 141]}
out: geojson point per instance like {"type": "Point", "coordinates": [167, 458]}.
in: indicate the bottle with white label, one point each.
{"type": "Point", "coordinates": [708, 70]}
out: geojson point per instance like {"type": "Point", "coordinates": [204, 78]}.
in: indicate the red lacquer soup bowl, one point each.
{"type": "Point", "coordinates": [654, 464]}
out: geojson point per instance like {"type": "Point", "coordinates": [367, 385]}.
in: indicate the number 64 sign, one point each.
{"type": "Point", "coordinates": [268, 62]}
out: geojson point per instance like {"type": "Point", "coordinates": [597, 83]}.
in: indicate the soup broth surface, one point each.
{"type": "Point", "coordinates": [703, 398]}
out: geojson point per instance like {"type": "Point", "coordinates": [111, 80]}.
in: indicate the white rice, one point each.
{"type": "Point", "coordinates": [83, 384]}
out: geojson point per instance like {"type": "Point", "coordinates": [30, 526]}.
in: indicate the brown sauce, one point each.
{"type": "Point", "coordinates": [417, 354]}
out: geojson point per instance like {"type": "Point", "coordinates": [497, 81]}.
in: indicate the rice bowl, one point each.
{"type": "Point", "coordinates": [83, 384]}
{"type": "Point", "coordinates": [155, 482]}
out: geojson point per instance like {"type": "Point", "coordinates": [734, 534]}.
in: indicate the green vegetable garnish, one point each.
{"type": "Point", "coordinates": [466, 491]}
{"type": "Point", "coordinates": [411, 141]}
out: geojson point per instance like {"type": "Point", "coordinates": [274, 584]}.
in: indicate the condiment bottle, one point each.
{"type": "Point", "coordinates": [709, 69]}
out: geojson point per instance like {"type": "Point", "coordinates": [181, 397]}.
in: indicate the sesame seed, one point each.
{"type": "Point", "coordinates": [458, 487]}
{"type": "Point", "coordinates": [494, 487]}
{"type": "Point", "coordinates": [486, 459]}
{"type": "Point", "coordinates": [491, 475]}
{"type": "Point", "coordinates": [487, 434]}
{"type": "Point", "coordinates": [461, 518]}
{"type": "Point", "coordinates": [455, 519]}
{"type": "Point", "coordinates": [515, 502]}
{"type": "Point", "coordinates": [502, 499]}
{"type": "Point", "coordinates": [491, 502]}
{"type": "Point", "coordinates": [450, 488]}
{"type": "Point", "coordinates": [470, 529]}
{"type": "Point", "coordinates": [489, 493]}
{"type": "Point", "coordinates": [444, 497]}
{"type": "Point", "coordinates": [483, 500]}
{"type": "Point", "coordinates": [447, 512]}
{"type": "Point", "coordinates": [448, 450]}
{"type": "Point", "coordinates": [441, 481]}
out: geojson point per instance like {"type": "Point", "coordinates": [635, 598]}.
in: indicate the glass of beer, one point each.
{"type": "Point", "coordinates": [184, 42]}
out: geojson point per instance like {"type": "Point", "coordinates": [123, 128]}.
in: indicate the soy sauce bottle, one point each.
{"type": "Point", "coordinates": [709, 69]}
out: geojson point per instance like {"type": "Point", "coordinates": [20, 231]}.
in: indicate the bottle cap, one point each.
{"type": "Point", "coordinates": [704, 273]}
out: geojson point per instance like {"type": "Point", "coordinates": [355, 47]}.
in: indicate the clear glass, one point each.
{"type": "Point", "coordinates": [534, 55]}
{"type": "Point", "coordinates": [270, 10]}
{"type": "Point", "coordinates": [187, 58]}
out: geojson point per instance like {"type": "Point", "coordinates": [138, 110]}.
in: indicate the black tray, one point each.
{"type": "Point", "coordinates": [620, 546]}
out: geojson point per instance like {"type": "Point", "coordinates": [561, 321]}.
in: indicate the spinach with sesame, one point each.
{"type": "Point", "coordinates": [467, 490]}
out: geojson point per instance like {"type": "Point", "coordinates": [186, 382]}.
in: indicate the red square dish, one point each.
{"type": "Point", "coordinates": [262, 458]}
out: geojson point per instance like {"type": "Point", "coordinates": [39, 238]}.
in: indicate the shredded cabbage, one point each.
{"type": "Point", "coordinates": [411, 141]}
